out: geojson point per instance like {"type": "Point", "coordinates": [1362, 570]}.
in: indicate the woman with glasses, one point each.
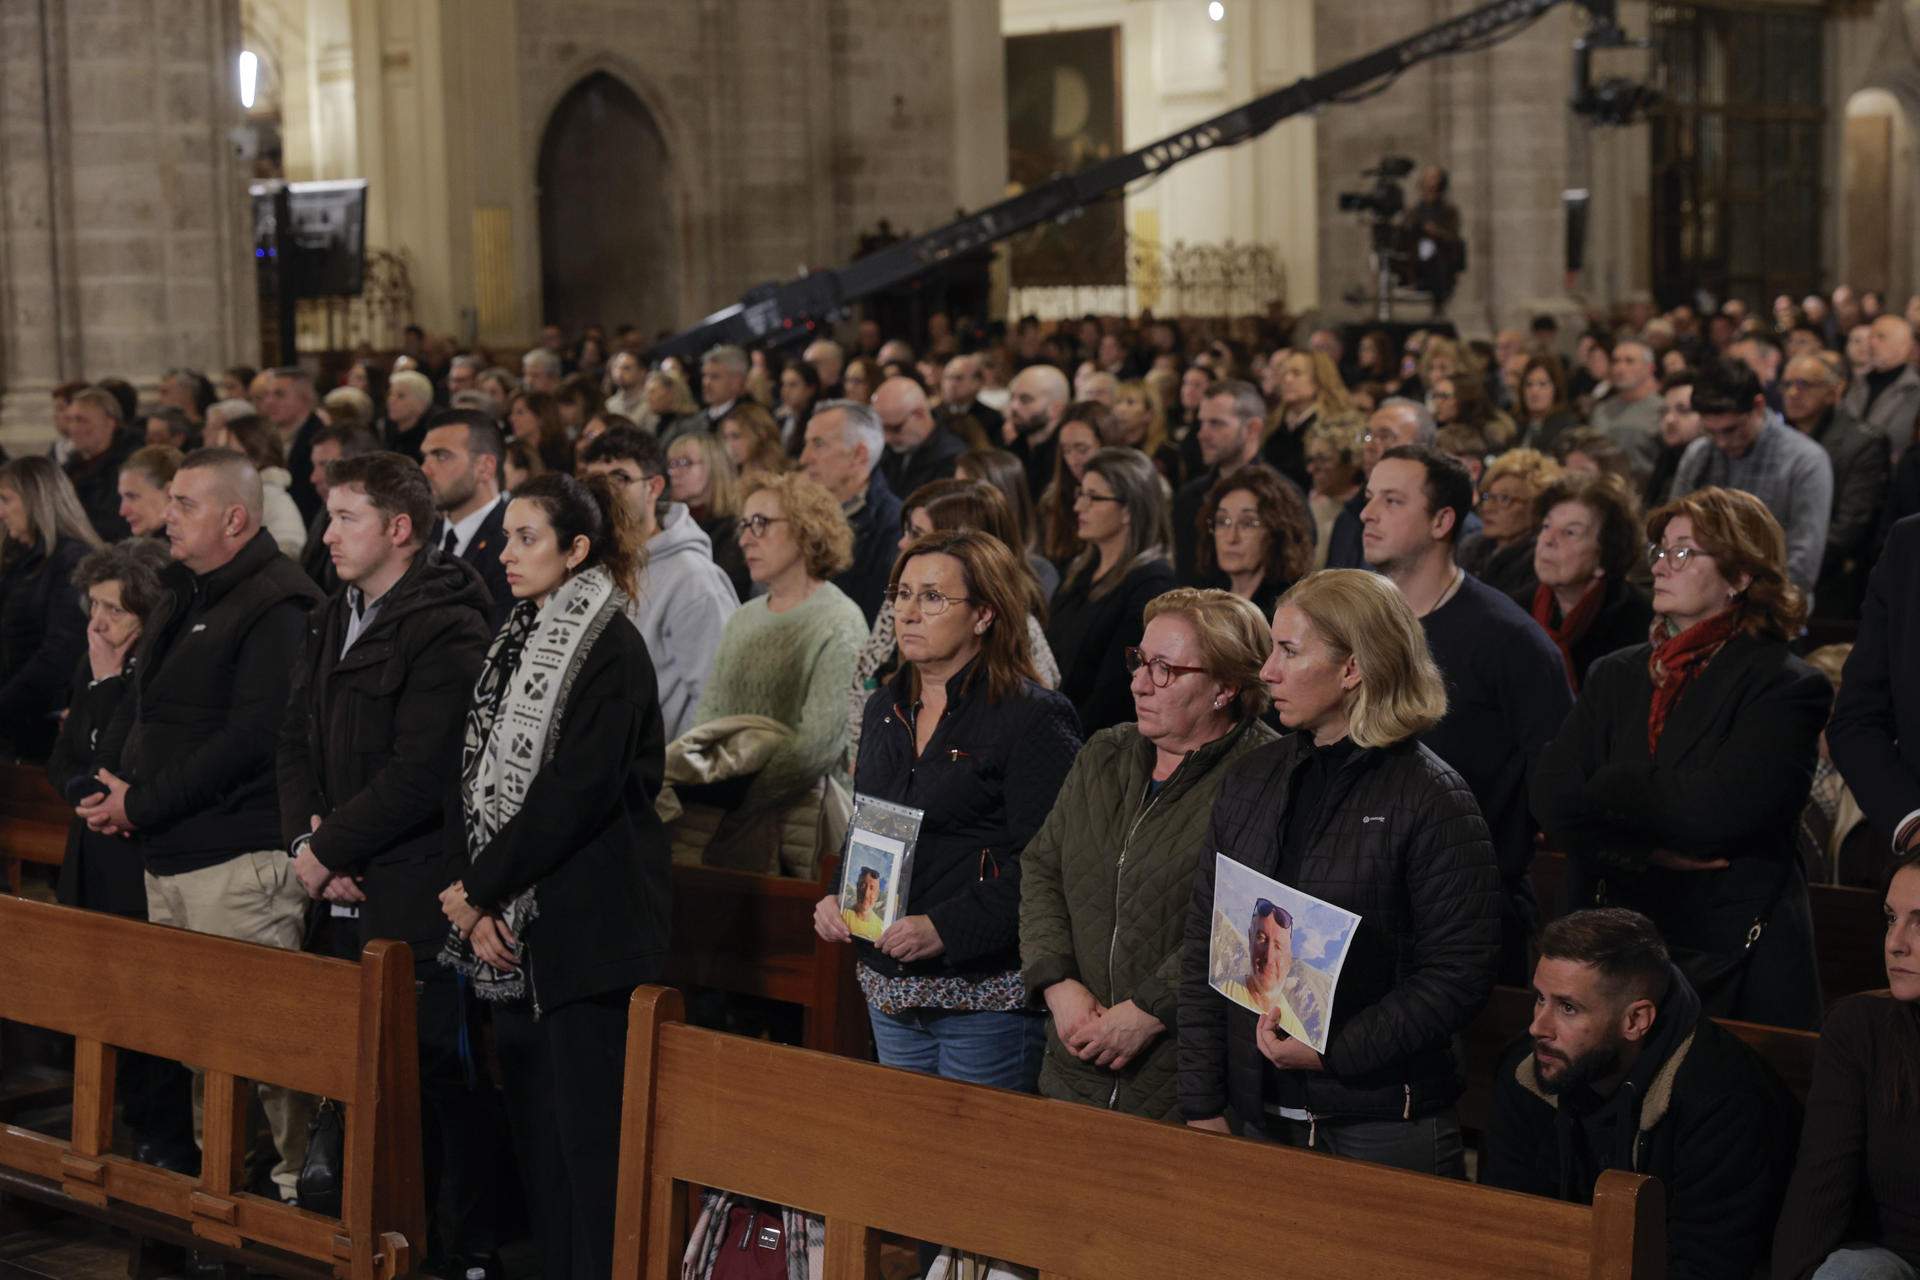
{"type": "Point", "coordinates": [1103, 891]}
{"type": "Point", "coordinates": [1351, 809]}
{"type": "Point", "coordinates": [1677, 782]}
{"type": "Point", "coordinates": [1460, 400]}
{"type": "Point", "coordinates": [1121, 518]}
{"type": "Point", "coordinates": [1589, 542]}
{"type": "Point", "coordinates": [700, 473]}
{"type": "Point", "coordinates": [788, 654]}
{"type": "Point", "coordinates": [1084, 424]}
{"type": "Point", "coordinates": [1258, 536]}
{"type": "Point", "coordinates": [965, 734]}
{"type": "Point", "coordinates": [1501, 554]}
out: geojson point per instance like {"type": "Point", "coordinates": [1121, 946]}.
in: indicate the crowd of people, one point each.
{"type": "Point", "coordinates": [1115, 611]}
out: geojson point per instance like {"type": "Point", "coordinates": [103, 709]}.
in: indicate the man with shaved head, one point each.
{"type": "Point", "coordinates": [919, 449]}
{"type": "Point", "coordinates": [187, 764]}
{"type": "Point", "coordinates": [1886, 397]}
{"type": "Point", "coordinates": [1038, 397]}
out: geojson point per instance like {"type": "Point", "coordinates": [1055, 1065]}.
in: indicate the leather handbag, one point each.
{"type": "Point", "coordinates": [319, 1187]}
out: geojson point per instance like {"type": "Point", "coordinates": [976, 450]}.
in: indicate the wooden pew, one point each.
{"type": "Point", "coordinates": [241, 1013]}
{"type": "Point", "coordinates": [1847, 927]}
{"type": "Point", "coordinates": [1074, 1191]}
{"type": "Point", "coordinates": [752, 934]}
{"type": "Point", "coordinates": [1505, 1019]}
{"type": "Point", "coordinates": [33, 821]}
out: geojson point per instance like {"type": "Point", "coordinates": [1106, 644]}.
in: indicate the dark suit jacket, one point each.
{"type": "Point", "coordinates": [483, 553]}
{"type": "Point", "coordinates": [1874, 736]}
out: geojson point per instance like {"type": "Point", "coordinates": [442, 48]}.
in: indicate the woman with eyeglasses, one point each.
{"type": "Point", "coordinates": [1256, 536]}
{"type": "Point", "coordinates": [1084, 424]}
{"type": "Point", "coordinates": [964, 733]}
{"type": "Point", "coordinates": [1121, 519]}
{"type": "Point", "coordinates": [788, 654]}
{"type": "Point", "coordinates": [1677, 782]}
{"type": "Point", "coordinates": [1351, 809]}
{"type": "Point", "coordinates": [1501, 554]}
{"type": "Point", "coordinates": [1103, 891]}
{"type": "Point", "coordinates": [700, 473]}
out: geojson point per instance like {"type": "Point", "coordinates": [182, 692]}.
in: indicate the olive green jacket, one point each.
{"type": "Point", "coordinates": [1104, 896]}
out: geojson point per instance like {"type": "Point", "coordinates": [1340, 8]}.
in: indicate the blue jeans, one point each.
{"type": "Point", "coordinates": [1000, 1049]}
{"type": "Point", "coordinates": [1865, 1262]}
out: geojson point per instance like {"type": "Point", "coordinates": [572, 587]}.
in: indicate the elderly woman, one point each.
{"type": "Point", "coordinates": [41, 626]}
{"type": "Point", "coordinates": [1098, 613]}
{"type": "Point", "coordinates": [1501, 554]}
{"type": "Point", "coordinates": [1103, 895]}
{"type": "Point", "coordinates": [1678, 779]}
{"type": "Point", "coordinates": [1260, 539]}
{"type": "Point", "coordinates": [940, 507]}
{"type": "Point", "coordinates": [409, 403]}
{"type": "Point", "coordinates": [144, 478]}
{"type": "Point", "coordinates": [1351, 809]}
{"type": "Point", "coordinates": [1334, 452]}
{"type": "Point", "coordinates": [1852, 1209]}
{"type": "Point", "coordinates": [1311, 392]}
{"type": "Point", "coordinates": [1588, 544]}
{"type": "Point", "coordinates": [965, 734]}
{"type": "Point", "coordinates": [788, 654]}
{"type": "Point", "coordinates": [701, 474]}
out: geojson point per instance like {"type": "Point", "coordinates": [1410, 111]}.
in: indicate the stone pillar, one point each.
{"type": "Point", "coordinates": [123, 237]}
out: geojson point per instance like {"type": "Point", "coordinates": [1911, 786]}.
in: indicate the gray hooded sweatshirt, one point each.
{"type": "Point", "coordinates": [684, 603]}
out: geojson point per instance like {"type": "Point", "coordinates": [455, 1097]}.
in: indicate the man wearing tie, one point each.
{"type": "Point", "coordinates": [463, 457]}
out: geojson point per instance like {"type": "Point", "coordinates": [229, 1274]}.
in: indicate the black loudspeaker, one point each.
{"type": "Point", "coordinates": [1575, 203]}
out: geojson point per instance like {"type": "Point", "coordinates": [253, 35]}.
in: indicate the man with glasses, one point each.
{"type": "Point", "coordinates": [1861, 468]}
{"type": "Point", "coordinates": [686, 598]}
{"type": "Point", "coordinates": [919, 450]}
{"type": "Point", "coordinates": [1232, 417]}
{"type": "Point", "coordinates": [1748, 447]}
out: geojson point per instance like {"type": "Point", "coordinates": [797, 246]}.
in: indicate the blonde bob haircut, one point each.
{"type": "Point", "coordinates": [1361, 614]}
{"type": "Point", "coordinates": [1234, 640]}
{"type": "Point", "coordinates": [813, 516]}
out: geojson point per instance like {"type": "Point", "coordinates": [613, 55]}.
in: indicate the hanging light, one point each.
{"type": "Point", "coordinates": [249, 77]}
{"type": "Point", "coordinates": [1217, 11]}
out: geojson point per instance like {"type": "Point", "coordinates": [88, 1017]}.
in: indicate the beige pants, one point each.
{"type": "Point", "coordinates": [254, 897]}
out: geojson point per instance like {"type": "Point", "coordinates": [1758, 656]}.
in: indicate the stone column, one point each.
{"type": "Point", "coordinates": [124, 244]}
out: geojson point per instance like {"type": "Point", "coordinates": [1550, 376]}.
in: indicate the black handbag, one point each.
{"type": "Point", "coordinates": [326, 1152]}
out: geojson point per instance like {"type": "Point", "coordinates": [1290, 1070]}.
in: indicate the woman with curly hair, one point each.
{"type": "Point", "coordinates": [1677, 782]}
{"type": "Point", "coordinates": [1259, 536]}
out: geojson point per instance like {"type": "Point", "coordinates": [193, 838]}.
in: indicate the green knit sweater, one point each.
{"type": "Point", "coordinates": [793, 667]}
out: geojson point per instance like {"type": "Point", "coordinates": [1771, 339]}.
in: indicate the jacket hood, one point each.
{"type": "Point", "coordinates": [1649, 1085]}
{"type": "Point", "coordinates": [433, 581]}
{"type": "Point", "coordinates": [679, 535]}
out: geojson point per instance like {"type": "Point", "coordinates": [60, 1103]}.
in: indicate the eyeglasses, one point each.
{"type": "Point", "coordinates": [1159, 670]}
{"type": "Point", "coordinates": [1501, 501]}
{"type": "Point", "coordinates": [1439, 395]}
{"type": "Point", "coordinates": [1088, 496]}
{"type": "Point", "coordinates": [757, 525]}
{"type": "Point", "coordinates": [1245, 524]}
{"type": "Point", "coordinates": [1678, 555]}
{"type": "Point", "coordinates": [932, 603]}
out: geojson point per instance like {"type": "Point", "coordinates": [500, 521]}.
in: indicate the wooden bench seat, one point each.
{"type": "Point", "coordinates": [33, 821]}
{"type": "Point", "coordinates": [240, 1013]}
{"type": "Point", "coordinates": [1079, 1193]}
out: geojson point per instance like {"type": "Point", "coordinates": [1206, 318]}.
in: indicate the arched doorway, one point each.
{"type": "Point", "coordinates": [608, 253]}
{"type": "Point", "coordinates": [1877, 177]}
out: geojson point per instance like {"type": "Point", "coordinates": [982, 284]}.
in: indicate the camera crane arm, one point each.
{"type": "Point", "coordinates": [788, 311]}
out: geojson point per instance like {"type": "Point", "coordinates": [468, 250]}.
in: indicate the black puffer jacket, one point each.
{"type": "Point", "coordinates": [1400, 842]}
{"type": "Point", "coordinates": [987, 780]}
{"type": "Point", "coordinates": [43, 632]}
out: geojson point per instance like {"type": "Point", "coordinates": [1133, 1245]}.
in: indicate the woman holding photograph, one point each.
{"type": "Point", "coordinates": [1350, 809]}
{"type": "Point", "coordinates": [1103, 886]}
{"type": "Point", "coordinates": [965, 734]}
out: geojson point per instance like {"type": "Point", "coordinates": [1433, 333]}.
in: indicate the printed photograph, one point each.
{"type": "Point", "coordinates": [1275, 948]}
{"type": "Point", "coordinates": [870, 893]}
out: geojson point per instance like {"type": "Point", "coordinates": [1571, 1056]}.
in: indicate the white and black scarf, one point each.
{"type": "Point", "coordinates": [512, 729]}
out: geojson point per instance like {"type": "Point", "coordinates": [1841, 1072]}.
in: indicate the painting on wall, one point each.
{"type": "Point", "coordinates": [1063, 114]}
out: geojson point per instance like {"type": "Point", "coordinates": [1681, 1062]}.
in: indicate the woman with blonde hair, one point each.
{"type": "Point", "coordinates": [701, 474]}
{"type": "Point", "coordinates": [1677, 782]}
{"type": "Point", "coordinates": [42, 626]}
{"type": "Point", "coordinates": [1311, 392]}
{"type": "Point", "coordinates": [670, 411]}
{"type": "Point", "coordinates": [1103, 890]}
{"type": "Point", "coordinates": [752, 439]}
{"type": "Point", "coordinates": [1333, 467]}
{"type": "Point", "coordinates": [1501, 554]}
{"type": "Point", "coordinates": [1140, 422]}
{"type": "Point", "coordinates": [1350, 809]}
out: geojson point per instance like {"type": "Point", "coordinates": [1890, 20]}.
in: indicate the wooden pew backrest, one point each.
{"type": "Point", "coordinates": [1079, 1193]}
{"type": "Point", "coordinates": [33, 822]}
{"type": "Point", "coordinates": [239, 1012]}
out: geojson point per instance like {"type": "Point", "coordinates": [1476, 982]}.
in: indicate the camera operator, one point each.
{"type": "Point", "coordinates": [1435, 249]}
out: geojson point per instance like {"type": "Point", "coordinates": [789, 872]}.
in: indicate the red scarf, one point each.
{"type": "Point", "coordinates": [1677, 659]}
{"type": "Point", "coordinates": [1572, 627]}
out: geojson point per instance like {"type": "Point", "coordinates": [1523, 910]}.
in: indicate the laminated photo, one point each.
{"type": "Point", "coordinates": [878, 865]}
{"type": "Point", "coordinates": [1275, 948]}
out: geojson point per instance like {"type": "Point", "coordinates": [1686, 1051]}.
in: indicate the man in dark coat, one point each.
{"type": "Point", "coordinates": [1621, 1071]}
{"type": "Point", "coordinates": [1231, 418]}
{"type": "Point", "coordinates": [919, 450]}
{"type": "Point", "coordinates": [102, 443]}
{"type": "Point", "coordinates": [187, 760]}
{"type": "Point", "coordinates": [463, 457]}
{"type": "Point", "coordinates": [1874, 736]}
{"type": "Point", "coordinates": [1862, 467]}
{"type": "Point", "coordinates": [842, 455]}
{"type": "Point", "coordinates": [288, 403]}
{"type": "Point", "coordinates": [368, 749]}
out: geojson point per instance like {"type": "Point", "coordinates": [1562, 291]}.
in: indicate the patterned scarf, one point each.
{"type": "Point", "coordinates": [512, 728]}
{"type": "Point", "coordinates": [1574, 627]}
{"type": "Point", "coordinates": [1677, 658]}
